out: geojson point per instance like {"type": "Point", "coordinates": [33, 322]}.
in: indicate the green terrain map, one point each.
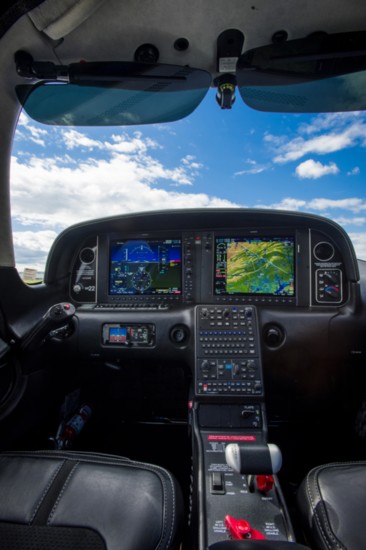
{"type": "Point", "coordinates": [260, 267]}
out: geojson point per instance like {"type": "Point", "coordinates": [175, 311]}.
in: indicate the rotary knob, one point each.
{"type": "Point", "coordinates": [273, 335]}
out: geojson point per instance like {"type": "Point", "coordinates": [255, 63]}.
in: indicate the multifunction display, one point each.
{"type": "Point", "coordinates": [254, 266]}
{"type": "Point", "coordinates": [148, 267]}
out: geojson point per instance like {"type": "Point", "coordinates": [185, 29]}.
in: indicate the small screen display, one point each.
{"type": "Point", "coordinates": [254, 266]}
{"type": "Point", "coordinates": [117, 335]}
{"type": "Point", "coordinates": [145, 267]}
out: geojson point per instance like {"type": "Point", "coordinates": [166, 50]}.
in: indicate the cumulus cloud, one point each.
{"type": "Point", "coordinates": [312, 169]}
{"type": "Point", "coordinates": [64, 195]}
{"type": "Point", "coordinates": [49, 193]}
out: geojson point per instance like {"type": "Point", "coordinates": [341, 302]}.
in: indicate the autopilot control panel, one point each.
{"type": "Point", "coordinates": [227, 351]}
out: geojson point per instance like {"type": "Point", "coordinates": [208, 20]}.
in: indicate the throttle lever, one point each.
{"type": "Point", "coordinates": [58, 315]}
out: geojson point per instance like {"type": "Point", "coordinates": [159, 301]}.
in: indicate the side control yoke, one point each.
{"type": "Point", "coordinates": [57, 316]}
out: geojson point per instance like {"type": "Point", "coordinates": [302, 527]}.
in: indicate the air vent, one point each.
{"type": "Point", "coordinates": [87, 255]}
{"type": "Point", "coordinates": [323, 251]}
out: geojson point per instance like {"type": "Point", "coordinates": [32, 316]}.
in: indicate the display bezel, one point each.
{"type": "Point", "coordinates": [244, 238]}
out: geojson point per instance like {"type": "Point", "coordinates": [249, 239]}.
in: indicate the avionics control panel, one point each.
{"type": "Point", "coordinates": [227, 351]}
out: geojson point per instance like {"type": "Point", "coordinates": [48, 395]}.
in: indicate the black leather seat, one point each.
{"type": "Point", "coordinates": [63, 500]}
{"type": "Point", "coordinates": [332, 503]}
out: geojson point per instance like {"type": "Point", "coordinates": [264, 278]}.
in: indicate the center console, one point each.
{"type": "Point", "coordinates": [229, 408]}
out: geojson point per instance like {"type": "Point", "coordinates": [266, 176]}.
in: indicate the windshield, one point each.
{"type": "Point", "coordinates": [214, 158]}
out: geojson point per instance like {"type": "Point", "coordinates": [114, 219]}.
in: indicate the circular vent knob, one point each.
{"type": "Point", "coordinates": [273, 335]}
{"type": "Point", "coordinates": [179, 335]}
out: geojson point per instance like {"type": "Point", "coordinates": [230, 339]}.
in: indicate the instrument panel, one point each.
{"type": "Point", "coordinates": [271, 266]}
{"type": "Point", "coordinates": [227, 294]}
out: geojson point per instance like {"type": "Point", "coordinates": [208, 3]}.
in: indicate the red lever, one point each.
{"type": "Point", "coordinates": [264, 483]}
{"type": "Point", "coordinates": [240, 529]}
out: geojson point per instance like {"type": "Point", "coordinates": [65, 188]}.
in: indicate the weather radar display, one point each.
{"type": "Point", "coordinates": [145, 267]}
{"type": "Point", "coordinates": [255, 266]}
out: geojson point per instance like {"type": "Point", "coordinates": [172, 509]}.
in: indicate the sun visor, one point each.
{"type": "Point", "coordinates": [316, 74]}
{"type": "Point", "coordinates": [57, 18]}
{"type": "Point", "coordinates": [109, 93]}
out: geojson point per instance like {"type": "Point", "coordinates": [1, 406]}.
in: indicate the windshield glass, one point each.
{"type": "Point", "coordinates": [213, 158]}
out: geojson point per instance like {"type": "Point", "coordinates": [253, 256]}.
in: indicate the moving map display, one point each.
{"type": "Point", "coordinates": [145, 267]}
{"type": "Point", "coordinates": [256, 266]}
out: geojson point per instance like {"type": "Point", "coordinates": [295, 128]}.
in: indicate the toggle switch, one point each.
{"type": "Point", "coordinates": [217, 483]}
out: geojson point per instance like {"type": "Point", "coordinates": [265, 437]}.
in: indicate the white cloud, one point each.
{"type": "Point", "coordinates": [49, 191]}
{"type": "Point", "coordinates": [253, 171]}
{"type": "Point", "coordinates": [342, 220]}
{"type": "Point", "coordinates": [312, 169]}
{"type": "Point", "coordinates": [32, 247]}
{"type": "Point", "coordinates": [29, 131]}
{"type": "Point", "coordinates": [255, 168]}
{"type": "Point", "coordinates": [359, 242]}
{"type": "Point", "coordinates": [287, 203]}
{"type": "Point", "coordinates": [354, 172]}
{"type": "Point", "coordinates": [339, 131]}
{"type": "Point", "coordinates": [328, 121]}
{"type": "Point", "coordinates": [319, 205]}
{"type": "Point", "coordinates": [353, 204]}
{"type": "Point", "coordinates": [321, 145]}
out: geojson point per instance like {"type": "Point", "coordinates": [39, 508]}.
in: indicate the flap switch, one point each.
{"type": "Point", "coordinates": [217, 483]}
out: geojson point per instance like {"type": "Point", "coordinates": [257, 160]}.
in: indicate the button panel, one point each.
{"type": "Point", "coordinates": [227, 351]}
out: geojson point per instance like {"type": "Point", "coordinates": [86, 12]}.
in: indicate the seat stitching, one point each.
{"type": "Point", "coordinates": [47, 488]}
{"type": "Point", "coordinates": [165, 520]}
{"type": "Point", "coordinates": [67, 481]}
{"type": "Point", "coordinates": [315, 472]}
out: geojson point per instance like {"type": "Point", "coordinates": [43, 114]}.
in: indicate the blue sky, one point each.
{"type": "Point", "coordinates": [214, 158]}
